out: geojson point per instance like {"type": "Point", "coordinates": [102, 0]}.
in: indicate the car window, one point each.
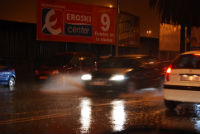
{"type": "Point", "coordinates": [187, 61]}
{"type": "Point", "coordinates": [118, 63]}
{"type": "Point", "coordinates": [87, 61]}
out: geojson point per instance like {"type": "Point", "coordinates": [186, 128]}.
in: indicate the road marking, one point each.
{"type": "Point", "coordinates": [33, 118]}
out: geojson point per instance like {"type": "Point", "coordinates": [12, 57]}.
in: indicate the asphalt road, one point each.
{"type": "Point", "coordinates": [45, 107]}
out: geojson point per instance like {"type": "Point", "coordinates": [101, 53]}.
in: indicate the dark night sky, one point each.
{"type": "Point", "coordinates": [26, 11]}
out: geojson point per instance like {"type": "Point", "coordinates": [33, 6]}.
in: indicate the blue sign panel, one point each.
{"type": "Point", "coordinates": [78, 30]}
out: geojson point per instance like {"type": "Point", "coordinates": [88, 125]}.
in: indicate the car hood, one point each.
{"type": "Point", "coordinates": [113, 70]}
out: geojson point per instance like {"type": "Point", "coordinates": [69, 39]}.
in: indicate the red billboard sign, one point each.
{"type": "Point", "coordinates": [70, 22]}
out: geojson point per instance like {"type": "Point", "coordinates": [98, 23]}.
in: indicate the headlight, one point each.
{"type": "Point", "coordinates": [86, 77]}
{"type": "Point", "coordinates": [55, 72]}
{"type": "Point", "coordinates": [117, 77]}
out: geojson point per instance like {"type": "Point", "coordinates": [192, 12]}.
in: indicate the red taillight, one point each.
{"type": "Point", "coordinates": [169, 69]}
{"type": "Point", "coordinates": [168, 72]}
{"type": "Point", "coordinates": [36, 72]}
{"type": "Point", "coordinates": [196, 54]}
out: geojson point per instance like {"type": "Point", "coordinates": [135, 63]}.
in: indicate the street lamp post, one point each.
{"type": "Point", "coordinates": [117, 29]}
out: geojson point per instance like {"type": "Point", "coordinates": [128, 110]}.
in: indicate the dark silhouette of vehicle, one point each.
{"type": "Point", "coordinates": [182, 83]}
{"type": "Point", "coordinates": [127, 72]}
{"type": "Point", "coordinates": [69, 62]}
{"type": "Point", "coordinates": [7, 74]}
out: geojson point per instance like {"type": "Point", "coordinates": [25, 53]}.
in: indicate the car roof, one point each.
{"type": "Point", "coordinates": [135, 56]}
{"type": "Point", "coordinates": [191, 52]}
{"type": "Point", "coordinates": [76, 53]}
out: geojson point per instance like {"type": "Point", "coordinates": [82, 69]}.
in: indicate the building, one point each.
{"type": "Point", "coordinates": [18, 21]}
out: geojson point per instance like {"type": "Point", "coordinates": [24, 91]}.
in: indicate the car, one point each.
{"type": "Point", "coordinates": [68, 62]}
{"type": "Point", "coordinates": [182, 82]}
{"type": "Point", "coordinates": [125, 72]}
{"type": "Point", "coordinates": [7, 74]}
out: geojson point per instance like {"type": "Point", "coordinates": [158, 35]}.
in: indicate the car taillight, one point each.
{"type": "Point", "coordinates": [168, 72]}
{"type": "Point", "coordinates": [36, 72]}
{"type": "Point", "coordinates": [196, 54]}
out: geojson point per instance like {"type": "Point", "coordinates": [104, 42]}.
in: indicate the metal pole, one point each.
{"type": "Point", "coordinates": [182, 42]}
{"type": "Point", "coordinates": [188, 42]}
{"type": "Point", "coordinates": [117, 29]}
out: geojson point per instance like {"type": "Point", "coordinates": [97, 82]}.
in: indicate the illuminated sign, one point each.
{"type": "Point", "coordinates": [70, 22]}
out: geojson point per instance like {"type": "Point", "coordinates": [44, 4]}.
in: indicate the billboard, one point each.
{"type": "Point", "coordinates": [70, 22]}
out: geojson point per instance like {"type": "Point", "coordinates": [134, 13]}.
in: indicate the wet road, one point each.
{"type": "Point", "coordinates": [34, 107]}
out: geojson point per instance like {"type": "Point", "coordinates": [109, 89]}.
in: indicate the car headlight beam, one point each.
{"type": "Point", "coordinates": [86, 77]}
{"type": "Point", "coordinates": [117, 77]}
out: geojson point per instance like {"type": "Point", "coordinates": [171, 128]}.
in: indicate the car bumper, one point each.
{"type": "Point", "coordinates": [104, 86]}
{"type": "Point", "coordinates": [182, 93]}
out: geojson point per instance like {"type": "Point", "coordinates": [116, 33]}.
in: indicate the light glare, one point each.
{"type": "Point", "coordinates": [118, 115]}
{"type": "Point", "coordinates": [117, 77]}
{"type": "Point", "coordinates": [86, 77]}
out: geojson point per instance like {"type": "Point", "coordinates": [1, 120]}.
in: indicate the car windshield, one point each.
{"type": "Point", "coordinates": [187, 61]}
{"type": "Point", "coordinates": [118, 63]}
{"type": "Point", "coordinates": [87, 61]}
{"type": "Point", "coordinates": [70, 60]}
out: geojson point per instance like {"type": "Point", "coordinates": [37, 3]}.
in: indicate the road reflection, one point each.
{"type": "Point", "coordinates": [196, 124]}
{"type": "Point", "coordinates": [184, 117]}
{"type": "Point", "coordinates": [85, 118]}
{"type": "Point", "coordinates": [118, 115]}
{"type": "Point", "coordinates": [196, 119]}
{"type": "Point", "coordinates": [28, 109]}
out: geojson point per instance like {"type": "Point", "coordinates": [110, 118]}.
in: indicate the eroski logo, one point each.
{"type": "Point", "coordinates": [50, 22]}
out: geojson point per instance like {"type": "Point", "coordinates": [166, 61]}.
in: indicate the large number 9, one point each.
{"type": "Point", "coordinates": [105, 21]}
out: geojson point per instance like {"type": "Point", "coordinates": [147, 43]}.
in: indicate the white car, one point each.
{"type": "Point", "coordinates": [182, 82]}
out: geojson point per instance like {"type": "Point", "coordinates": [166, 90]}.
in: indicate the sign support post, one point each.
{"type": "Point", "coordinates": [117, 29]}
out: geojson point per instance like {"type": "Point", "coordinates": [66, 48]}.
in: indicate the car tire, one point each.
{"type": "Point", "coordinates": [11, 82]}
{"type": "Point", "coordinates": [171, 105]}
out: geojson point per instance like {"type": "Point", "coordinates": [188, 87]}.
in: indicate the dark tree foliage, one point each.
{"type": "Point", "coordinates": [183, 12]}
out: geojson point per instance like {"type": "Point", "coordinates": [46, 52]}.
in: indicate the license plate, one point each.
{"type": "Point", "coordinates": [98, 83]}
{"type": "Point", "coordinates": [190, 77]}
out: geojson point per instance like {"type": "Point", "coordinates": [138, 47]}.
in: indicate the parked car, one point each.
{"type": "Point", "coordinates": [7, 74]}
{"type": "Point", "coordinates": [182, 82]}
{"type": "Point", "coordinates": [126, 72]}
{"type": "Point", "coordinates": [69, 62]}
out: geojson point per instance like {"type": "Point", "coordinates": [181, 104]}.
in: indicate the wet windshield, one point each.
{"type": "Point", "coordinates": [187, 61]}
{"type": "Point", "coordinates": [118, 63]}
